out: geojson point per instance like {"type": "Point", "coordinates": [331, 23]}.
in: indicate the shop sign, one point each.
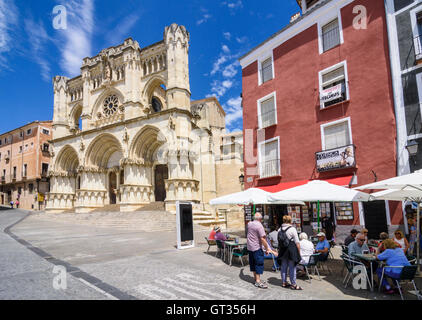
{"type": "Point", "coordinates": [339, 158]}
{"type": "Point", "coordinates": [331, 93]}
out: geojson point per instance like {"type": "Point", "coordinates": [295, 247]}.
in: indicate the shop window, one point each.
{"type": "Point", "coordinates": [336, 135]}
{"type": "Point", "coordinates": [330, 34]}
{"type": "Point", "coordinates": [267, 111]}
{"type": "Point", "coordinates": [269, 158]}
{"type": "Point", "coordinates": [333, 86]}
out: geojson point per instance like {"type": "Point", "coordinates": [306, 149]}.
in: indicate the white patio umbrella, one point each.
{"type": "Point", "coordinates": [401, 188]}
{"type": "Point", "coordinates": [249, 196]}
{"type": "Point", "coordinates": [319, 191]}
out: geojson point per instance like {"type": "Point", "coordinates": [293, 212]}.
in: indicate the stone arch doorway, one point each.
{"type": "Point", "coordinates": [160, 175]}
{"type": "Point", "coordinates": [112, 187]}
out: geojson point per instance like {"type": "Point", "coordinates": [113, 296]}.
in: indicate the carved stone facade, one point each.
{"type": "Point", "coordinates": [126, 132]}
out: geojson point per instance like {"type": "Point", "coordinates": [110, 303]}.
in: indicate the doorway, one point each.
{"type": "Point", "coordinates": [375, 218]}
{"type": "Point", "coordinates": [161, 173]}
{"type": "Point", "coordinates": [113, 188]}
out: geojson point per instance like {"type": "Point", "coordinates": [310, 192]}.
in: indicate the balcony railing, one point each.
{"type": "Point", "coordinates": [3, 179]}
{"type": "Point", "coordinates": [270, 168]}
{"type": "Point", "coordinates": [331, 38]}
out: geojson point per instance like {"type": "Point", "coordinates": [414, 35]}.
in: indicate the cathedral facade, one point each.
{"type": "Point", "coordinates": [126, 132]}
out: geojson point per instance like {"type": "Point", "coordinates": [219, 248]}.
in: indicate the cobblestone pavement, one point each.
{"type": "Point", "coordinates": [146, 265]}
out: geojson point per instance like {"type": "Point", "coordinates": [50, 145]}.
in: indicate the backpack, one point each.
{"type": "Point", "coordinates": [283, 240]}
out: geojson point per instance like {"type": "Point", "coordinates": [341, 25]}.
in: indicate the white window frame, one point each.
{"type": "Point", "coordinates": [260, 156]}
{"type": "Point", "coordinates": [332, 68]}
{"type": "Point", "coordinates": [262, 59]}
{"type": "Point", "coordinates": [329, 124]}
{"type": "Point", "coordinates": [259, 101]}
{"type": "Point", "coordinates": [419, 85]}
{"type": "Point", "coordinates": [324, 20]}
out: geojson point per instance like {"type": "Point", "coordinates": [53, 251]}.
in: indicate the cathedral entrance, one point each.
{"type": "Point", "coordinates": [113, 188]}
{"type": "Point", "coordinates": [161, 173]}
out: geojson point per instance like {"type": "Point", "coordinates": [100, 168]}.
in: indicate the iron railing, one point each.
{"type": "Point", "coordinates": [331, 38]}
{"type": "Point", "coordinates": [270, 168]}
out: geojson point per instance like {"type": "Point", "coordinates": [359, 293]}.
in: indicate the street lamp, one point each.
{"type": "Point", "coordinates": [412, 147]}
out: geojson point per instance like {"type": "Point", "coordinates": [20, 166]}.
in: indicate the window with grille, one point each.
{"type": "Point", "coordinates": [267, 112]}
{"type": "Point", "coordinates": [267, 70]}
{"type": "Point", "coordinates": [337, 135]}
{"type": "Point", "coordinates": [269, 159]}
{"type": "Point", "coordinates": [330, 35]}
{"type": "Point", "coordinates": [335, 82]}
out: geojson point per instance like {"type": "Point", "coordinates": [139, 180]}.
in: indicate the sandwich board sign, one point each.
{"type": "Point", "coordinates": [184, 223]}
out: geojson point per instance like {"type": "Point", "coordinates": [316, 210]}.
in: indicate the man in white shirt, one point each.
{"type": "Point", "coordinates": [306, 250]}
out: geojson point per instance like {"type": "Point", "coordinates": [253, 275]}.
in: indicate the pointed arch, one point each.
{"type": "Point", "coordinates": [75, 116]}
{"type": "Point", "coordinates": [146, 143]}
{"type": "Point", "coordinates": [67, 160]}
{"type": "Point", "coordinates": [103, 148]}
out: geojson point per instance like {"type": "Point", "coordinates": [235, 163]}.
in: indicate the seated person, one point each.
{"type": "Point", "coordinates": [306, 250]}
{"type": "Point", "coordinates": [270, 254]}
{"type": "Point", "coordinates": [350, 238]}
{"type": "Point", "coordinates": [273, 237]}
{"type": "Point", "coordinates": [323, 247]}
{"type": "Point", "coordinates": [401, 240]}
{"type": "Point", "coordinates": [212, 233]}
{"type": "Point", "coordinates": [219, 235]}
{"type": "Point", "coordinates": [383, 236]}
{"type": "Point", "coordinates": [394, 256]}
{"type": "Point", "coordinates": [358, 246]}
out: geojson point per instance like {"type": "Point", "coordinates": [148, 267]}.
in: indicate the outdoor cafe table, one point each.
{"type": "Point", "coordinates": [231, 245]}
{"type": "Point", "coordinates": [369, 258]}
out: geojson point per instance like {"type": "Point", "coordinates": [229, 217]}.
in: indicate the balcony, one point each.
{"type": "Point", "coordinates": [44, 174]}
{"type": "Point", "coordinates": [337, 158]}
{"type": "Point", "coordinates": [3, 179]}
{"type": "Point", "coordinates": [13, 177]}
{"type": "Point", "coordinates": [270, 168]}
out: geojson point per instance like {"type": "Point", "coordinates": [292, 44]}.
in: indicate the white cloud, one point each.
{"type": "Point", "coordinates": [216, 67]}
{"type": "Point", "coordinates": [225, 49]}
{"type": "Point", "coordinates": [233, 109]}
{"type": "Point", "coordinates": [230, 71]}
{"type": "Point", "coordinates": [233, 4]}
{"type": "Point", "coordinates": [38, 38]}
{"type": "Point", "coordinates": [227, 35]}
{"type": "Point", "coordinates": [121, 32]}
{"type": "Point", "coordinates": [76, 43]}
{"type": "Point", "coordinates": [205, 18]}
{"type": "Point", "coordinates": [219, 88]}
{"type": "Point", "coordinates": [8, 22]}
{"type": "Point", "coordinates": [242, 39]}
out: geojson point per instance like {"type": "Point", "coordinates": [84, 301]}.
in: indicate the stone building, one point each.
{"type": "Point", "coordinates": [24, 162]}
{"type": "Point", "coordinates": [125, 131]}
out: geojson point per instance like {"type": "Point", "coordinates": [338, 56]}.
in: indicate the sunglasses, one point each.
{"type": "Point", "coordinates": [360, 239]}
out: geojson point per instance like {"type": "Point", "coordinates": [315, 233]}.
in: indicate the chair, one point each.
{"type": "Point", "coordinates": [210, 243]}
{"type": "Point", "coordinates": [412, 259]}
{"type": "Point", "coordinates": [344, 249]}
{"type": "Point", "coordinates": [322, 261]}
{"type": "Point", "coordinates": [221, 250]}
{"type": "Point", "coordinates": [313, 262]}
{"type": "Point", "coordinates": [241, 253]}
{"type": "Point", "coordinates": [407, 274]}
{"type": "Point", "coordinates": [332, 245]}
{"type": "Point", "coordinates": [350, 264]}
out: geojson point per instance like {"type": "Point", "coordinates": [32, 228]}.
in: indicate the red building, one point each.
{"type": "Point", "coordinates": [318, 104]}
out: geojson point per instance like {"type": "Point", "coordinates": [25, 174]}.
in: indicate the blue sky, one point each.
{"type": "Point", "coordinates": [32, 51]}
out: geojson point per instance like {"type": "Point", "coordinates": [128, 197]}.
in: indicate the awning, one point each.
{"type": "Point", "coordinates": [340, 181]}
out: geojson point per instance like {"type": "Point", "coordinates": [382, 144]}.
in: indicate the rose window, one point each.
{"type": "Point", "coordinates": [111, 104]}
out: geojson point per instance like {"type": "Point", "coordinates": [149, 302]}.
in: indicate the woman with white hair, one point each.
{"type": "Point", "coordinates": [306, 250]}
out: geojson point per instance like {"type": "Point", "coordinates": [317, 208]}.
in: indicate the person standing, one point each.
{"type": "Point", "coordinates": [255, 240]}
{"type": "Point", "coordinates": [17, 203]}
{"type": "Point", "coordinates": [412, 236]}
{"type": "Point", "coordinates": [401, 240]}
{"type": "Point", "coordinates": [289, 253]}
{"type": "Point", "coordinates": [328, 225]}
